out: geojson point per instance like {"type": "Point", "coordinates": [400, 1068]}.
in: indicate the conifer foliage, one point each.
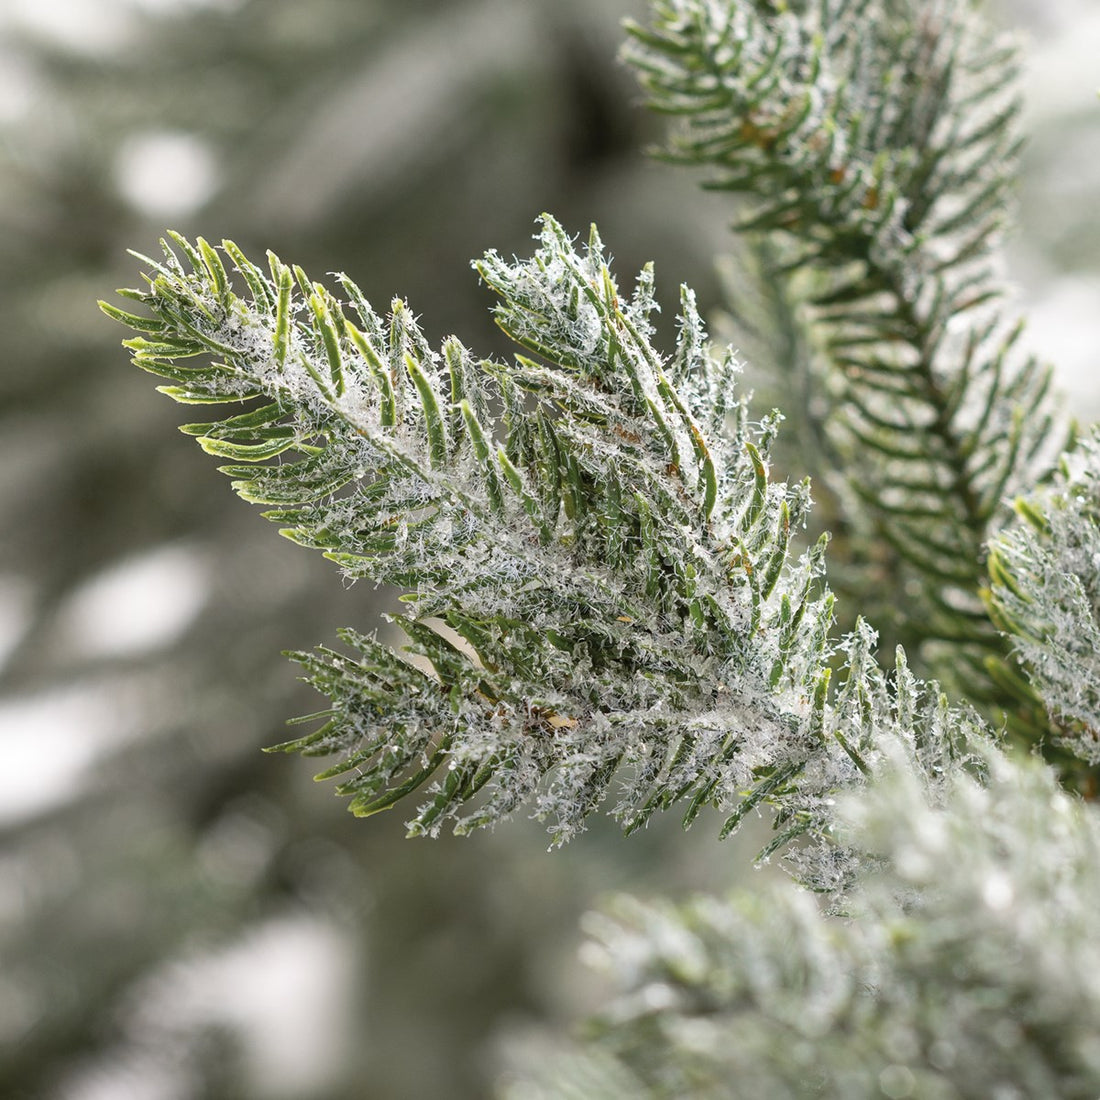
{"type": "Point", "coordinates": [605, 606]}
{"type": "Point", "coordinates": [874, 145]}
{"type": "Point", "coordinates": [1045, 593]}
{"type": "Point", "coordinates": [953, 977]}
{"type": "Point", "coordinates": [607, 550]}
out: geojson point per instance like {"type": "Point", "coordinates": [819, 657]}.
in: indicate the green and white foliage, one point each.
{"type": "Point", "coordinates": [605, 607]}
{"type": "Point", "coordinates": [874, 145]}
{"type": "Point", "coordinates": [594, 527]}
{"type": "Point", "coordinates": [969, 968]}
{"type": "Point", "coordinates": [1045, 593]}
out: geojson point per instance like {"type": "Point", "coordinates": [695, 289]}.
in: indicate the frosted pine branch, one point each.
{"type": "Point", "coordinates": [874, 146]}
{"type": "Point", "coordinates": [1045, 593]}
{"type": "Point", "coordinates": [605, 609]}
{"type": "Point", "coordinates": [608, 546]}
{"type": "Point", "coordinates": [968, 967]}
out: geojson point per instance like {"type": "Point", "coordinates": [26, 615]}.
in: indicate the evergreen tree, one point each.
{"type": "Point", "coordinates": [158, 845]}
{"type": "Point", "coordinates": [606, 602]}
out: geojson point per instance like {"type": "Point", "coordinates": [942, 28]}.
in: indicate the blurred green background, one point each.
{"type": "Point", "coordinates": [181, 916]}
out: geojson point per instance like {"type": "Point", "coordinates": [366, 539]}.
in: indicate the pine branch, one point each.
{"type": "Point", "coordinates": [876, 148]}
{"type": "Point", "coordinates": [607, 547]}
{"type": "Point", "coordinates": [1045, 594]}
{"type": "Point", "coordinates": [969, 970]}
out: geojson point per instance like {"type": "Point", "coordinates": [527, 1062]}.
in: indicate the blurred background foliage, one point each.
{"type": "Point", "coordinates": [181, 916]}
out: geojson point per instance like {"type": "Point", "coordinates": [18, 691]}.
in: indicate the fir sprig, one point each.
{"type": "Point", "coordinates": [603, 603]}
{"type": "Point", "coordinates": [607, 550]}
{"type": "Point", "coordinates": [970, 969]}
{"type": "Point", "coordinates": [875, 149]}
{"type": "Point", "coordinates": [1045, 594]}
